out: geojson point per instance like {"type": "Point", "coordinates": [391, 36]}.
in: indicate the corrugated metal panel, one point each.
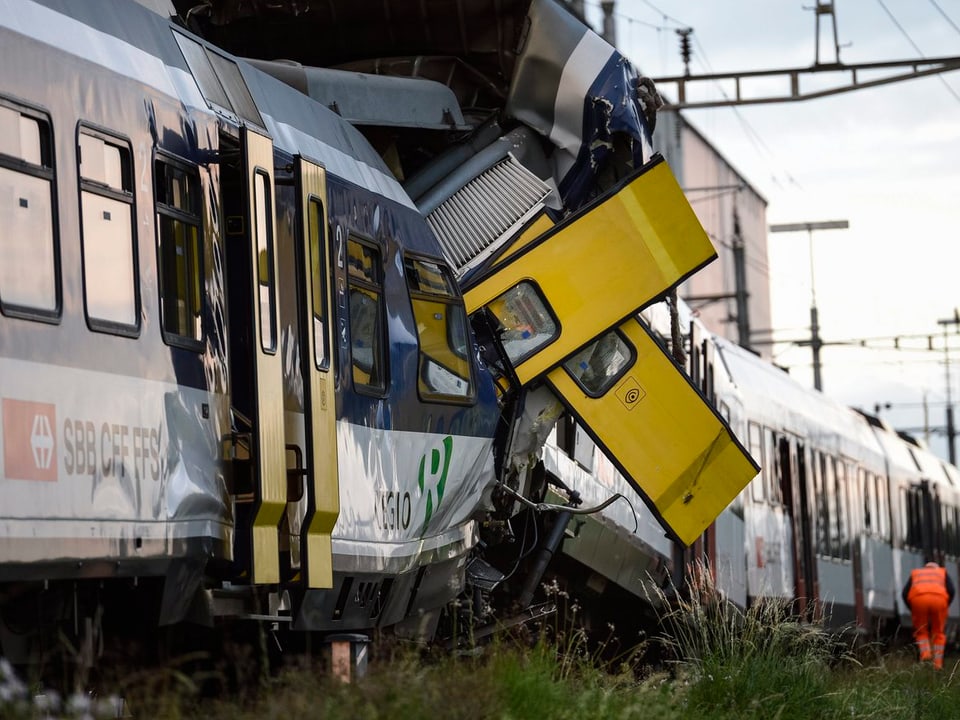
{"type": "Point", "coordinates": [485, 212]}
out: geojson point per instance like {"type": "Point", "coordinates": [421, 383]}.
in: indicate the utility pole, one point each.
{"type": "Point", "coordinates": [951, 430]}
{"type": "Point", "coordinates": [815, 342]}
{"type": "Point", "coordinates": [825, 7]}
{"type": "Point", "coordinates": [740, 284]}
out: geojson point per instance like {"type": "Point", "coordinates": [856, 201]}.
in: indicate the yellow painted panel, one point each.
{"type": "Point", "coordinates": [271, 460]}
{"type": "Point", "coordinates": [605, 263]}
{"type": "Point", "coordinates": [540, 224]}
{"type": "Point", "coordinates": [322, 455]}
{"type": "Point", "coordinates": [668, 442]}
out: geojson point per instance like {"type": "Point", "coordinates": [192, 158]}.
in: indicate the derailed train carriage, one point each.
{"type": "Point", "coordinates": [841, 512]}
{"type": "Point", "coordinates": [245, 372]}
{"type": "Point", "coordinates": [843, 508]}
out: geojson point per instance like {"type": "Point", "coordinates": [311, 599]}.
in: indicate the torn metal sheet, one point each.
{"type": "Point", "coordinates": [576, 89]}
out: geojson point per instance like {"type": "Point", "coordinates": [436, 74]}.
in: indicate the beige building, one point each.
{"type": "Point", "coordinates": [732, 294]}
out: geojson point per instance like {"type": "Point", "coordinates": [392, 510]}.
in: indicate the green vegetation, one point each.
{"type": "Point", "coordinates": [716, 662]}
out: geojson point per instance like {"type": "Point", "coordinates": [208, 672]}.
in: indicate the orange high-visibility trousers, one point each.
{"type": "Point", "coordinates": [929, 613]}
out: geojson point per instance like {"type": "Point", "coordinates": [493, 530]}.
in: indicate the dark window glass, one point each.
{"type": "Point", "coordinates": [28, 258]}
{"type": "Point", "coordinates": [771, 468]}
{"type": "Point", "coordinates": [366, 316]}
{"type": "Point", "coordinates": [841, 548]}
{"type": "Point", "coordinates": [109, 251]}
{"type": "Point", "coordinates": [914, 519]}
{"type": "Point", "coordinates": [865, 478]}
{"type": "Point", "coordinates": [822, 483]}
{"type": "Point", "coordinates": [180, 254]}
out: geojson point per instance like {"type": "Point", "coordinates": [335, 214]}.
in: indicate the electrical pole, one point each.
{"type": "Point", "coordinates": [951, 430]}
{"type": "Point", "coordinates": [815, 342]}
{"type": "Point", "coordinates": [740, 284]}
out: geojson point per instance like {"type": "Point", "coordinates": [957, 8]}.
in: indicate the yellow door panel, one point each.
{"type": "Point", "coordinates": [271, 493]}
{"type": "Point", "coordinates": [537, 226]}
{"type": "Point", "coordinates": [595, 268]}
{"type": "Point", "coordinates": [656, 427]}
{"type": "Point", "coordinates": [319, 403]}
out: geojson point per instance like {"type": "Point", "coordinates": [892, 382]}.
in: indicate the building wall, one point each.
{"type": "Point", "coordinates": [718, 193]}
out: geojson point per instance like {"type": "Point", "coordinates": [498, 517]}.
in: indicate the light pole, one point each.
{"type": "Point", "coordinates": [951, 432]}
{"type": "Point", "coordinates": [815, 342]}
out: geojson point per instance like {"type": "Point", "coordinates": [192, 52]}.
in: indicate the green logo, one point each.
{"type": "Point", "coordinates": [434, 477]}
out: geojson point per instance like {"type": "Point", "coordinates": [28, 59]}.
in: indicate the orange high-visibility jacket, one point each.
{"type": "Point", "coordinates": [928, 581]}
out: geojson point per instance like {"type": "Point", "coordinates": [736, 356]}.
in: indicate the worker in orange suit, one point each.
{"type": "Point", "coordinates": [928, 593]}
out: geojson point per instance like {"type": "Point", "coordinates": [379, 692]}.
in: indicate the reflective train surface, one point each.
{"type": "Point", "coordinates": [842, 510]}
{"type": "Point", "coordinates": [284, 343]}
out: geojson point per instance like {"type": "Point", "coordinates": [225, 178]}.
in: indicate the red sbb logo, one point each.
{"type": "Point", "coordinates": [29, 440]}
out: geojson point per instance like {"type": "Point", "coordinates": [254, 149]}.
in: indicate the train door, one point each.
{"type": "Point", "coordinates": [854, 491]}
{"type": "Point", "coordinates": [256, 372]}
{"type": "Point", "coordinates": [589, 272]}
{"type": "Point", "coordinates": [323, 498]}
{"type": "Point", "coordinates": [787, 462]}
{"type": "Point", "coordinates": [654, 424]}
{"type": "Point", "coordinates": [801, 511]}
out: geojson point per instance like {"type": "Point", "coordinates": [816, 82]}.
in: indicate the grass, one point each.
{"type": "Point", "coordinates": [723, 664]}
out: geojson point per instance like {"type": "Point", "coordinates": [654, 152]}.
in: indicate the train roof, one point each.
{"type": "Point", "coordinates": [132, 40]}
{"type": "Point", "coordinates": [779, 400]}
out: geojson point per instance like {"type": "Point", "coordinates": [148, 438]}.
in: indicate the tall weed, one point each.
{"type": "Point", "coordinates": [763, 662]}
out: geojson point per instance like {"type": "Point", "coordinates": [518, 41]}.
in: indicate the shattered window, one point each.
{"type": "Point", "coordinates": [525, 323]}
{"type": "Point", "coordinates": [599, 365]}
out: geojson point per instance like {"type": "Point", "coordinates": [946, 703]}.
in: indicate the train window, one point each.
{"type": "Point", "coordinates": [266, 262]}
{"type": "Point", "coordinates": [865, 483]}
{"type": "Point", "coordinates": [107, 239]}
{"type": "Point", "coordinates": [177, 188]}
{"type": "Point", "coordinates": [219, 80]}
{"type": "Point", "coordinates": [567, 435]}
{"type": "Point", "coordinates": [913, 518]}
{"type": "Point", "coordinates": [318, 282]}
{"type": "Point", "coordinates": [883, 507]}
{"type": "Point", "coordinates": [365, 280]}
{"type": "Point", "coordinates": [755, 438]}
{"type": "Point", "coordinates": [445, 371]}
{"type": "Point", "coordinates": [821, 483]}
{"type": "Point", "coordinates": [525, 321]}
{"type": "Point", "coordinates": [771, 468]}
{"type": "Point", "coordinates": [956, 530]}
{"type": "Point", "coordinates": [830, 517]}
{"type": "Point", "coordinates": [599, 365]}
{"type": "Point", "coordinates": [948, 529]}
{"type": "Point", "coordinates": [724, 411]}
{"type": "Point", "coordinates": [841, 547]}
{"type": "Point", "coordinates": [29, 272]}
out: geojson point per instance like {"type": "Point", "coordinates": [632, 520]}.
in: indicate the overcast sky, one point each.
{"type": "Point", "coordinates": [887, 159]}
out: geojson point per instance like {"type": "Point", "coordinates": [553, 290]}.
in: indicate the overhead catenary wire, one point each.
{"type": "Point", "coordinates": [945, 16]}
{"type": "Point", "coordinates": [916, 47]}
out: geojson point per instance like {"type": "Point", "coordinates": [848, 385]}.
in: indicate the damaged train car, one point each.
{"type": "Point", "coordinates": [293, 294]}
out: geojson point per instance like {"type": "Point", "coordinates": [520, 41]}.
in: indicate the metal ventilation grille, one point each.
{"type": "Point", "coordinates": [480, 216]}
